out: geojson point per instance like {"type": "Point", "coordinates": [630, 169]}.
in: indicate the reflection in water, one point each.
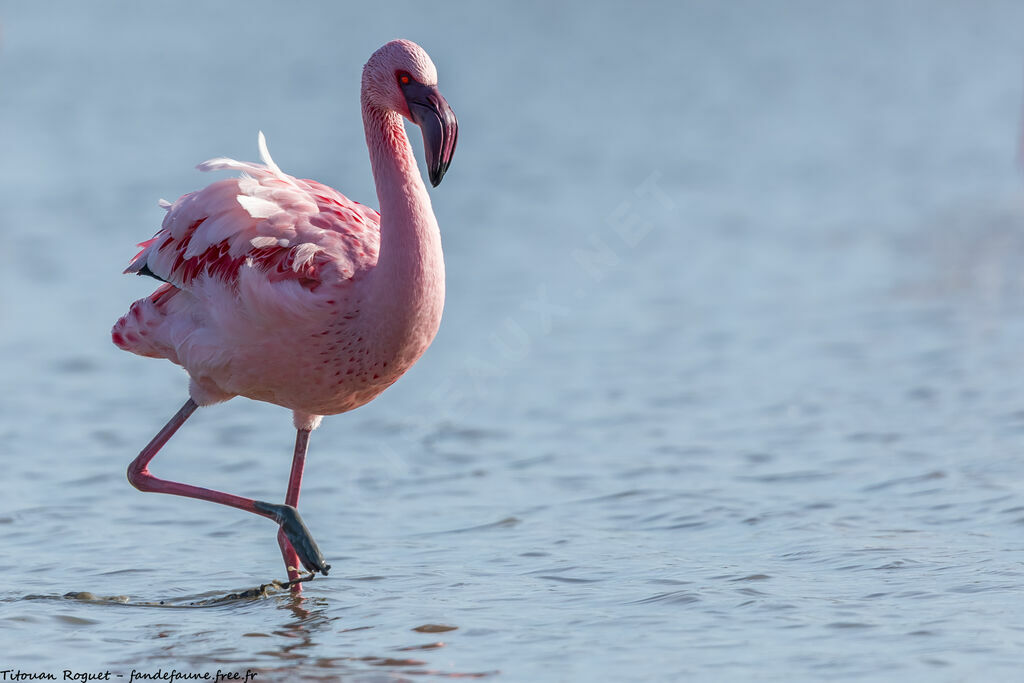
{"type": "Point", "coordinates": [295, 638]}
{"type": "Point", "coordinates": [297, 642]}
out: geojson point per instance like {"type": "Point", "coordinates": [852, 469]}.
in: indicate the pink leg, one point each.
{"type": "Point", "coordinates": [291, 558]}
{"type": "Point", "coordinates": [292, 526]}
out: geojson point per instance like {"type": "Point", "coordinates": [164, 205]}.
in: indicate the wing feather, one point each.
{"type": "Point", "coordinates": [282, 228]}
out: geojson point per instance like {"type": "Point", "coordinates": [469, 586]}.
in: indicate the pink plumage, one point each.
{"type": "Point", "coordinates": [284, 290]}
{"type": "Point", "coordinates": [264, 258]}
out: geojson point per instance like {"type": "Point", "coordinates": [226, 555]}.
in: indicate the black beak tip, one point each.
{"type": "Point", "coordinates": [436, 174]}
{"type": "Point", "coordinates": [429, 110]}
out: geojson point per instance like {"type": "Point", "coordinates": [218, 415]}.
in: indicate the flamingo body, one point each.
{"type": "Point", "coordinates": [268, 293]}
{"type": "Point", "coordinates": [283, 290]}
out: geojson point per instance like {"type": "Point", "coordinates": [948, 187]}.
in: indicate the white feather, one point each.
{"type": "Point", "coordinates": [267, 241]}
{"type": "Point", "coordinates": [221, 163]}
{"type": "Point", "coordinates": [261, 142]}
{"type": "Point", "coordinates": [304, 253]}
{"type": "Point", "coordinates": [249, 186]}
{"type": "Point", "coordinates": [258, 208]}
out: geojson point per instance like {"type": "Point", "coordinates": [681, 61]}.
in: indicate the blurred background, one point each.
{"type": "Point", "coordinates": [729, 383]}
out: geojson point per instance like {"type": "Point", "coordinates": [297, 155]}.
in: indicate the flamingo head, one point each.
{"type": "Point", "coordinates": [400, 77]}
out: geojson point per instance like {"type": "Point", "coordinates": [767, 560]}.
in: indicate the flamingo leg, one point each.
{"type": "Point", "coordinates": [291, 558]}
{"type": "Point", "coordinates": [286, 516]}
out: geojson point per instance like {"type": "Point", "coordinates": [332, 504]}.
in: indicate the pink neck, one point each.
{"type": "Point", "coordinates": [410, 268]}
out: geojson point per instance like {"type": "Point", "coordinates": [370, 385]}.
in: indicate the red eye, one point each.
{"type": "Point", "coordinates": [404, 79]}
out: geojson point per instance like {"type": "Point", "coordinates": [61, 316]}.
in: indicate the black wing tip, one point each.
{"type": "Point", "coordinates": [144, 270]}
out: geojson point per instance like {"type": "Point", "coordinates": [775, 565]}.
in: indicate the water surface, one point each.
{"type": "Point", "coordinates": [729, 384]}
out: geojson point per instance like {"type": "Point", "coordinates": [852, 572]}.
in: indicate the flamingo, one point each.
{"type": "Point", "coordinates": [285, 291]}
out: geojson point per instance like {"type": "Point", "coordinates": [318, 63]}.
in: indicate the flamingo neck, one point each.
{"type": "Point", "coordinates": [410, 268]}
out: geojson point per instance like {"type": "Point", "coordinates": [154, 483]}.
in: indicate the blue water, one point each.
{"type": "Point", "coordinates": [730, 384]}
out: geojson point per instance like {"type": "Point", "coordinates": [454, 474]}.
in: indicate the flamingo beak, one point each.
{"type": "Point", "coordinates": [440, 129]}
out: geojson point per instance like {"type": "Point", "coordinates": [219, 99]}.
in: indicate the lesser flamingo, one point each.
{"type": "Point", "coordinates": [283, 290]}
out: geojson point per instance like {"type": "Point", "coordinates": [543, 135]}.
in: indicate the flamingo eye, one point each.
{"type": "Point", "coordinates": [404, 78]}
